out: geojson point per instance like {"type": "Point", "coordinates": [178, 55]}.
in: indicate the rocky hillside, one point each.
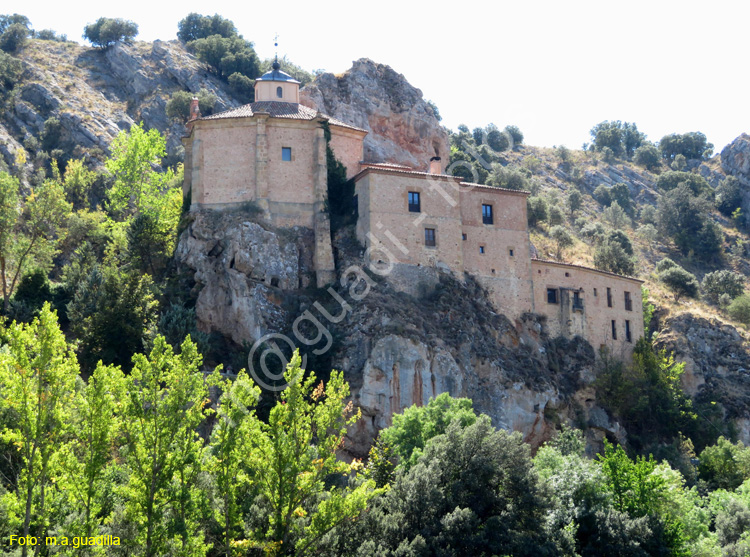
{"type": "Point", "coordinates": [396, 348]}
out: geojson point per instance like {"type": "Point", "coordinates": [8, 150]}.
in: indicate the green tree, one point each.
{"type": "Point", "coordinates": [725, 465]}
{"type": "Point", "coordinates": [164, 404]}
{"type": "Point", "coordinates": [137, 185]}
{"type": "Point", "coordinates": [536, 210]}
{"type": "Point", "coordinates": [226, 56]}
{"type": "Point", "coordinates": [622, 138]}
{"type": "Point", "coordinates": [107, 31]}
{"type": "Point", "coordinates": [37, 374]}
{"type": "Point", "coordinates": [178, 106]}
{"type": "Point", "coordinates": [14, 37]}
{"type": "Point", "coordinates": [692, 145]}
{"type": "Point", "coordinates": [647, 156]}
{"type": "Point", "coordinates": [515, 134]}
{"type": "Point", "coordinates": [610, 256]}
{"type": "Point", "coordinates": [602, 195]}
{"type": "Point", "coordinates": [616, 216]}
{"type": "Point", "coordinates": [686, 219]}
{"type": "Point", "coordinates": [77, 183]}
{"type": "Point", "coordinates": [496, 140]}
{"type": "Point", "coordinates": [195, 26]}
{"type": "Point", "coordinates": [728, 195]}
{"type": "Point", "coordinates": [671, 179]}
{"type": "Point", "coordinates": [230, 443]}
{"type": "Point", "coordinates": [679, 163]}
{"type": "Point", "coordinates": [508, 178]}
{"type": "Point", "coordinates": [562, 238]}
{"type": "Point", "coordinates": [739, 309]}
{"type": "Point", "coordinates": [722, 282]}
{"type": "Point", "coordinates": [31, 234]}
{"type": "Point", "coordinates": [681, 282]}
{"type": "Point", "coordinates": [575, 201]}
{"type": "Point", "coordinates": [293, 455]}
{"type": "Point", "coordinates": [92, 431]}
{"type": "Point", "coordinates": [620, 193]}
{"type": "Point", "coordinates": [416, 425]}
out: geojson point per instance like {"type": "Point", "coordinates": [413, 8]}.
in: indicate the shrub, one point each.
{"type": "Point", "coordinates": [554, 214]}
{"type": "Point", "coordinates": [196, 26]}
{"type": "Point", "coordinates": [739, 309]}
{"type": "Point", "coordinates": [108, 31]}
{"type": "Point", "coordinates": [178, 107]}
{"type": "Point", "coordinates": [616, 216]}
{"type": "Point", "coordinates": [562, 239]}
{"type": "Point", "coordinates": [647, 215]}
{"type": "Point", "coordinates": [681, 282]}
{"type": "Point", "coordinates": [687, 220]}
{"type": "Point", "coordinates": [515, 134]}
{"type": "Point", "coordinates": [593, 231]}
{"type": "Point", "coordinates": [725, 465]}
{"type": "Point", "coordinates": [722, 282]}
{"type": "Point", "coordinates": [50, 35]}
{"type": "Point", "coordinates": [226, 55]}
{"type": "Point", "coordinates": [536, 210]}
{"type": "Point", "coordinates": [51, 134]}
{"type": "Point", "coordinates": [647, 156]}
{"type": "Point", "coordinates": [665, 264]}
{"type": "Point", "coordinates": [692, 145]}
{"type": "Point", "coordinates": [601, 194]}
{"type": "Point", "coordinates": [672, 179]}
{"type": "Point", "coordinates": [679, 163]}
{"type": "Point", "coordinates": [575, 200]}
{"type": "Point", "coordinates": [620, 138]}
{"type": "Point", "coordinates": [14, 37]}
{"type": "Point", "coordinates": [10, 72]}
{"type": "Point", "coordinates": [242, 86]}
{"type": "Point", "coordinates": [507, 177]}
{"type": "Point", "coordinates": [497, 140]}
{"type": "Point", "coordinates": [620, 193]}
{"type": "Point", "coordinates": [610, 256]}
{"type": "Point", "coordinates": [728, 195]}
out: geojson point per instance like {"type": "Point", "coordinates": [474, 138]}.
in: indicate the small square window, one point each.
{"type": "Point", "coordinates": [567, 274]}
{"type": "Point", "coordinates": [286, 153]}
{"type": "Point", "coordinates": [552, 295]}
{"type": "Point", "coordinates": [486, 214]}
{"type": "Point", "coordinates": [414, 204]}
{"type": "Point", "coordinates": [481, 249]}
{"type": "Point", "coordinates": [429, 237]}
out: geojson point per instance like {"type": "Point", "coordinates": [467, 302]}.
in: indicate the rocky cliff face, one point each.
{"type": "Point", "coordinates": [403, 127]}
{"type": "Point", "coordinates": [717, 363]}
{"type": "Point", "coordinates": [735, 158]}
{"type": "Point", "coordinates": [95, 94]}
{"type": "Point", "coordinates": [396, 349]}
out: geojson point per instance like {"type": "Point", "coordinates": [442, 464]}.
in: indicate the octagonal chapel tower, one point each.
{"type": "Point", "coordinates": [271, 153]}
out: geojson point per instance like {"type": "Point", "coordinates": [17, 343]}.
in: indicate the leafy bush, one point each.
{"type": "Point", "coordinates": [728, 195]}
{"type": "Point", "coordinates": [555, 215]}
{"type": "Point", "coordinates": [647, 156]}
{"type": "Point", "coordinates": [665, 264]}
{"type": "Point", "coordinates": [671, 179]}
{"type": "Point", "coordinates": [50, 35]}
{"type": "Point", "coordinates": [178, 107]}
{"type": "Point", "coordinates": [507, 177]}
{"type": "Point", "coordinates": [739, 309]}
{"type": "Point", "coordinates": [575, 200]}
{"type": "Point", "coordinates": [692, 145]}
{"type": "Point", "coordinates": [601, 194]}
{"type": "Point", "coordinates": [536, 208]}
{"type": "Point", "coordinates": [725, 465]}
{"type": "Point", "coordinates": [687, 220]}
{"type": "Point", "coordinates": [14, 37]}
{"type": "Point", "coordinates": [515, 134]}
{"type": "Point", "coordinates": [108, 31]}
{"type": "Point", "coordinates": [562, 238]}
{"type": "Point", "coordinates": [616, 216]}
{"type": "Point", "coordinates": [620, 193]}
{"type": "Point", "coordinates": [722, 282]}
{"type": "Point", "coordinates": [621, 138]}
{"type": "Point", "coordinates": [681, 282]}
{"type": "Point", "coordinates": [10, 72]}
{"type": "Point", "coordinates": [242, 86]}
{"type": "Point", "coordinates": [226, 55]}
{"type": "Point", "coordinates": [611, 256]}
{"type": "Point", "coordinates": [195, 26]}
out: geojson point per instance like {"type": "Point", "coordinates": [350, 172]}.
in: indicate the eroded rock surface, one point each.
{"type": "Point", "coordinates": [403, 127]}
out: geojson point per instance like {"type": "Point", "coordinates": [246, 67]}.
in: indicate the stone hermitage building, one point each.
{"type": "Point", "coordinates": [272, 153]}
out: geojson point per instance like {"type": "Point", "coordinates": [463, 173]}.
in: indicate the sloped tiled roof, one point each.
{"type": "Point", "coordinates": [583, 267]}
{"type": "Point", "coordinates": [293, 111]}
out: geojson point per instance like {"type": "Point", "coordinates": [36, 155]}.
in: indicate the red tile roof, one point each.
{"type": "Point", "coordinates": [293, 111]}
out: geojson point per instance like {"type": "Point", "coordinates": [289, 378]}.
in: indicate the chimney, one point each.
{"type": "Point", "coordinates": [435, 166]}
{"type": "Point", "coordinates": [195, 111]}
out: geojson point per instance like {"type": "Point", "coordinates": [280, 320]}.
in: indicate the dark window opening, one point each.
{"type": "Point", "coordinates": [567, 274]}
{"type": "Point", "coordinates": [481, 249]}
{"type": "Point", "coordinates": [429, 237]}
{"type": "Point", "coordinates": [275, 282]}
{"type": "Point", "coordinates": [286, 153]}
{"type": "Point", "coordinates": [594, 291]}
{"type": "Point", "coordinates": [577, 301]}
{"type": "Point", "coordinates": [486, 214]}
{"type": "Point", "coordinates": [463, 237]}
{"type": "Point", "coordinates": [627, 331]}
{"type": "Point", "coordinates": [609, 298]}
{"type": "Point", "coordinates": [552, 295]}
{"type": "Point", "coordinates": [279, 92]}
{"type": "Point", "coordinates": [628, 302]}
{"type": "Point", "coordinates": [510, 251]}
{"type": "Point", "coordinates": [414, 204]}
{"type": "Point", "coordinates": [614, 330]}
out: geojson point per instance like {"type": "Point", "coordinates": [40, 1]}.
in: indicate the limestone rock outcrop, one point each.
{"type": "Point", "coordinates": [404, 128]}
{"type": "Point", "coordinates": [735, 158]}
{"type": "Point", "coordinates": [717, 363]}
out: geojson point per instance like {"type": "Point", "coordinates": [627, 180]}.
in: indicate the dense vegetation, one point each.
{"type": "Point", "coordinates": [110, 423]}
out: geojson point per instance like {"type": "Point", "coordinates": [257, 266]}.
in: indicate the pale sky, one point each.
{"type": "Point", "coordinates": [553, 68]}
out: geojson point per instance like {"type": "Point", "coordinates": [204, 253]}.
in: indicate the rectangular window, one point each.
{"type": "Point", "coordinates": [429, 237]}
{"type": "Point", "coordinates": [577, 301]}
{"type": "Point", "coordinates": [628, 302]}
{"type": "Point", "coordinates": [552, 295]}
{"type": "Point", "coordinates": [481, 249]}
{"type": "Point", "coordinates": [627, 331]}
{"type": "Point", "coordinates": [414, 204]}
{"type": "Point", "coordinates": [614, 330]}
{"type": "Point", "coordinates": [463, 237]}
{"type": "Point", "coordinates": [595, 292]}
{"type": "Point", "coordinates": [286, 153]}
{"type": "Point", "coordinates": [486, 214]}
{"type": "Point", "coordinates": [609, 298]}
{"type": "Point", "coordinates": [510, 252]}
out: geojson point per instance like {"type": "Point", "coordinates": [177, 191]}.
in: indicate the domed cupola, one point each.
{"type": "Point", "coordinates": [277, 86]}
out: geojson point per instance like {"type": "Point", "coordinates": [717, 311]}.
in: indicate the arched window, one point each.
{"type": "Point", "coordinates": [279, 92]}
